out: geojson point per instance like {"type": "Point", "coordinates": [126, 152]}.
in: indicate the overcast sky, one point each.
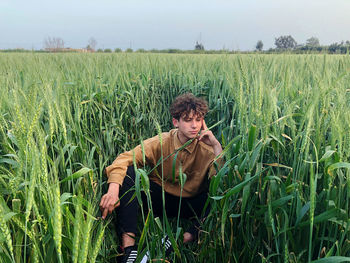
{"type": "Point", "coordinates": [165, 24]}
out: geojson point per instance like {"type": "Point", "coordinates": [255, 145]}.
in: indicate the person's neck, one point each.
{"type": "Point", "coordinates": [181, 138]}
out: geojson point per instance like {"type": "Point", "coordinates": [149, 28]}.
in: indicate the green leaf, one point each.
{"type": "Point", "coordinates": [215, 180]}
{"type": "Point", "coordinates": [9, 161]}
{"type": "Point", "coordinates": [330, 252]}
{"type": "Point", "coordinates": [335, 259]}
{"type": "Point", "coordinates": [183, 178]}
{"type": "Point", "coordinates": [251, 137]}
{"type": "Point", "coordinates": [9, 215]}
{"type": "Point", "coordinates": [327, 154]}
{"type": "Point", "coordinates": [272, 177]}
{"type": "Point", "coordinates": [174, 166]}
{"type": "Point", "coordinates": [223, 220]}
{"type": "Point", "coordinates": [144, 230]}
{"type": "Point", "coordinates": [217, 197]}
{"type": "Point", "coordinates": [322, 217]}
{"type": "Point", "coordinates": [144, 179]}
{"type": "Point", "coordinates": [243, 164]}
{"type": "Point", "coordinates": [65, 196]}
{"type": "Point", "coordinates": [255, 156]}
{"type": "Point", "coordinates": [77, 174]}
{"type": "Point", "coordinates": [138, 186]}
{"type": "Point", "coordinates": [235, 215]}
{"type": "Point", "coordinates": [171, 237]}
{"type": "Point", "coordinates": [246, 194]}
{"type": "Point", "coordinates": [230, 145]}
{"type": "Point", "coordinates": [283, 200]}
{"type": "Point", "coordinates": [159, 224]}
{"type": "Point", "coordinates": [277, 140]}
{"type": "Point", "coordinates": [302, 212]}
{"type": "Point", "coordinates": [239, 187]}
{"type": "Point", "coordinates": [337, 166]}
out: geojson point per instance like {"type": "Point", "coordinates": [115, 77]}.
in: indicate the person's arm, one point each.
{"type": "Point", "coordinates": [117, 171]}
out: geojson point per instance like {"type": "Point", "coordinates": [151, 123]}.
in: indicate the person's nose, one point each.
{"type": "Point", "coordinates": [194, 124]}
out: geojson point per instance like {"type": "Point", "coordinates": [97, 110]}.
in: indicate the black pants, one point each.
{"type": "Point", "coordinates": [127, 212]}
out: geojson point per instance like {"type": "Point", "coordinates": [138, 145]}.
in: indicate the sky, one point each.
{"type": "Point", "coordinates": [162, 24]}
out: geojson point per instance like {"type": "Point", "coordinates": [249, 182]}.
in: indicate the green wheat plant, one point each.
{"type": "Point", "coordinates": [282, 194]}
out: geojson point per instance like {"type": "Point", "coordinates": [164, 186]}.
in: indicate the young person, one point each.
{"type": "Point", "coordinates": [196, 161]}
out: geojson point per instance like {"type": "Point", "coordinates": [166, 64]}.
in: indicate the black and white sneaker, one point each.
{"type": "Point", "coordinates": [168, 249]}
{"type": "Point", "coordinates": [129, 256]}
{"type": "Point", "coordinates": [167, 244]}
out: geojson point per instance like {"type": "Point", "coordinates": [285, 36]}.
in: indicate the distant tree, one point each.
{"type": "Point", "coordinates": [117, 50]}
{"type": "Point", "coordinates": [198, 46]}
{"type": "Point", "coordinates": [107, 50]}
{"type": "Point", "coordinates": [340, 48]}
{"type": "Point", "coordinates": [259, 45]}
{"type": "Point", "coordinates": [53, 44]}
{"type": "Point", "coordinates": [285, 42]}
{"type": "Point", "coordinates": [92, 43]}
{"type": "Point", "coordinates": [100, 50]}
{"type": "Point", "coordinates": [129, 50]}
{"type": "Point", "coordinates": [313, 42]}
{"type": "Point", "coordinates": [172, 50]}
{"type": "Point", "coordinates": [141, 50]}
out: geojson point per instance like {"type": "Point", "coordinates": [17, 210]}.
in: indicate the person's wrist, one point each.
{"type": "Point", "coordinates": [113, 188]}
{"type": "Point", "coordinates": [216, 144]}
{"type": "Point", "coordinates": [217, 148]}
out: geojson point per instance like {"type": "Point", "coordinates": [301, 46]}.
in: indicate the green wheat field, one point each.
{"type": "Point", "coordinates": [283, 194]}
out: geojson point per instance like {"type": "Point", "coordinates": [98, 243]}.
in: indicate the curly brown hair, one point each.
{"type": "Point", "coordinates": [185, 103]}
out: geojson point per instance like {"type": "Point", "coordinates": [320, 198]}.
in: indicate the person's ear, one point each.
{"type": "Point", "coordinates": [175, 123]}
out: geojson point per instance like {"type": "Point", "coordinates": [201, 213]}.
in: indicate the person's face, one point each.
{"type": "Point", "coordinates": [188, 127]}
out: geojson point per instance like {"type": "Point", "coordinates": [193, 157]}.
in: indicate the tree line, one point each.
{"type": "Point", "coordinates": [288, 43]}
{"type": "Point", "coordinates": [283, 44]}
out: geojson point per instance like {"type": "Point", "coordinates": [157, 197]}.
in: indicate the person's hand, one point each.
{"type": "Point", "coordinates": [208, 138]}
{"type": "Point", "coordinates": [110, 200]}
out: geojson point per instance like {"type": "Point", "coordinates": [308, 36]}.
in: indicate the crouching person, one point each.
{"type": "Point", "coordinates": [196, 161]}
